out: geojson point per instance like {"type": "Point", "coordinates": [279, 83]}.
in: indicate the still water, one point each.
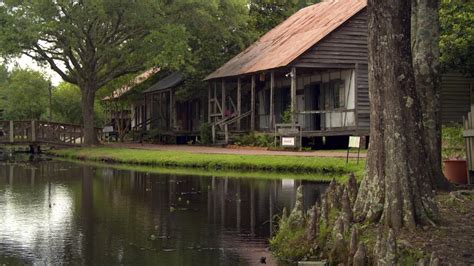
{"type": "Point", "coordinates": [54, 212]}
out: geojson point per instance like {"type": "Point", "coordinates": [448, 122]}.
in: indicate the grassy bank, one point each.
{"type": "Point", "coordinates": [288, 164]}
{"type": "Point", "coordinates": [199, 172]}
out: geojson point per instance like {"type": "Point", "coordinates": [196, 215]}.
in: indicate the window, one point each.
{"type": "Point", "coordinates": [336, 94]}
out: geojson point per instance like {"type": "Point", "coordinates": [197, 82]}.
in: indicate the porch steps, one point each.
{"type": "Point", "coordinates": [233, 135]}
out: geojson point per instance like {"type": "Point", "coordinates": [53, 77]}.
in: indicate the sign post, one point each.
{"type": "Point", "coordinates": [354, 142]}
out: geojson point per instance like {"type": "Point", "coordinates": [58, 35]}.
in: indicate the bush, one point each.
{"type": "Point", "coordinates": [453, 145]}
{"type": "Point", "coordinates": [255, 140]}
{"type": "Point", "coordinates": [286, 116]}
{"type": "Point", "coordinates": [205, 133]}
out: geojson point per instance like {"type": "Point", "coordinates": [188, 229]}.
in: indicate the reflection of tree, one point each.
{"type": "Point", "coordinates": [119, 210]}
{"type": "Point", "coordinates": [87, 216]}
{"type": "Point", "coordinates": [238, 202]}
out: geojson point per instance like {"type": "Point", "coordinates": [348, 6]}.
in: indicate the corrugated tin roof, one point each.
{"type": "Point", "coordinates": [116, 94]}
{"type": "Point", "coordinates": [168, 82]}
{"type": "Point", "coordinates": [284, 43]}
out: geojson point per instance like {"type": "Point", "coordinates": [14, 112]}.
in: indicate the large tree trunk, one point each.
{"type": "Point", "coordinates": [425, 50]}
{"type": "Point", "coordinates": [396, 189]}
{"type": "Point", "coordinates": [88, 97]}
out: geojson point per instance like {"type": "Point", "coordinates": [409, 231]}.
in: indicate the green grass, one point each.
{"type": "Point", "coordinates": [214, 173]}
{"type": "Point", "coordinates": [216, 162]}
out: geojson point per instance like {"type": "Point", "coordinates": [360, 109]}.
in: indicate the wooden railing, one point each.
{"type": "Point", "coordinates": [224, 124]}
{"type": "Point", "coordinates": [33, 131]}
{"type": "Point", "coordinates": [469, 137]}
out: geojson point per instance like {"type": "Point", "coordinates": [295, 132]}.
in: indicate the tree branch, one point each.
{"type": "Point", "coordinates": [44, 57]}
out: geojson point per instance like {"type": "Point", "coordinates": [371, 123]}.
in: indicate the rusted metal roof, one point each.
{"type": "Point", "coordinates": [116, 94]}
{"type": "Point", "coordinates": [284, 43]}
{"type": "Point", "coordinates": [173, 80]}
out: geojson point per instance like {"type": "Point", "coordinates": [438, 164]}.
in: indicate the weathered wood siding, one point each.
{"type": "Point", "coordinates": [346, 47]}
{"type": "Point", "coordinates": [456, 98]}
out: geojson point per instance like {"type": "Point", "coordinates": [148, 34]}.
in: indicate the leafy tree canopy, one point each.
{"type": "Point", "coordinates": [24, 95]}
{"type": "Point", "coordinates": [457, 35]}
{"type": "Point", "coordinates": [266, 14]}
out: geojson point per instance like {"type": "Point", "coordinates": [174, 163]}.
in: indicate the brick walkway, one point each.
{"type": "Point", "coordinates": [239, 151]}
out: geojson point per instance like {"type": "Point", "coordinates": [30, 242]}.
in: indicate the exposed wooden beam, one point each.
{"type": "Point", "coordinates": [239, 101]}
{"type": "Point", "coordinates": [209, 107]}
{"type": "Point", "coordinates": [171, 110]}
{"type": "Point", "coordinates": [293, 95]}
{"type": "Point", "coordinates": [272, 111]}
{"type": "Point", "coordinates": [252, 104]}
{"type": "Point", "coordinates": [223, 104]}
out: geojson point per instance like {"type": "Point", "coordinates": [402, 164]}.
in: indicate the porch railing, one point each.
{"type": "Point", "coordinates": [224, 124]}
{"type": "Point", "coordinates": [325, 119]}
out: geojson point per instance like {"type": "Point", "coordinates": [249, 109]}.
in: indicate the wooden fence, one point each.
{"type": "Point", "coordinates": [33, 131]}
{"type": "Point", "coordinates": [469, 137]}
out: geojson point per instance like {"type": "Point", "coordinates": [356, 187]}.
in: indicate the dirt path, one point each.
{"type": "Point", "coordinates": [453, 239]}
{"type": "Point", "coordinates": [239, 151]}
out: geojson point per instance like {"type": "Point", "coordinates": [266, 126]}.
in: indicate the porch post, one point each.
{"type": "Point", "coordinates": [239, 101]}
{"type": "Point", "coordinates": [145, 109]}
{"type": "Point", "coordinates": [293, 95]}
{"type": "Point", "coordinates": [272, 85]}
{"type": "Point", "coordinates": [252, 104]}
{"type": "Point", "coordinates": [223, 98]}
{"type": "Point", "coordinates": [33, 130]}
{"type": "Point", "coordinates": [12, 133]}
{"type": "Point", "coordinates": [209, 107]}
{"type": "Point", "coordinates": [171, 110]}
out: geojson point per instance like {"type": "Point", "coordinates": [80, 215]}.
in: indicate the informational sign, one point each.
{"type": "Point", "coordinates": [288, 131]}
{"type": "Point", "coordinates": [108, 129]}
{"type": "Point", "coordinates": [354, 142]}
{"type": "Point", "coordinates": [288, 141]}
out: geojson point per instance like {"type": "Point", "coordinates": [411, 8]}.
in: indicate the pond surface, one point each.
{"type": "Point", "coordinates": [54, 212]}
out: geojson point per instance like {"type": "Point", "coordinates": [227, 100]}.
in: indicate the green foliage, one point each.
{"type": "Point", "coordinates": [286, 116]}
{"type": "Point", "coordinates": [277, 163]}
{"type": "Point", "coordinates": [457, 35]}
{"type": "Point", "coordinates": [66, 105]}
{"type": "Point", "coordinates": [216, 30]}
{"type": "Point", "coordinates": [290, 244]}
{"type": "Point", "coordinates": [453, 145]}
{"type": "Point", "coordinates": [410, 256]}
{"type": "Point", "coordinates": [205, 133]}
{"type": "Point", "coordinates": [24, 94]}
{"type": "Point", "coordinates": [254, 140]}
{"type": "Point", "coordinates": [266, 14]}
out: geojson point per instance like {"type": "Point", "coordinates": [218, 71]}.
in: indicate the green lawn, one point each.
{"type": "Point", "coordinates": [265, 163]}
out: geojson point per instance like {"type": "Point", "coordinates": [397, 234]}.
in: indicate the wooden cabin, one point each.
{"type": "Point", "coordinates": [457, 97]}
{"type": "Point", "coordinates": [308, 74]}
{"type": "Point", "coordinates": [172, 120]}
{"type": "Point", "coordinates": [118, 110]}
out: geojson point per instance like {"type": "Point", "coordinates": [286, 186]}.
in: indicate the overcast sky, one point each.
{"type": "Point", "coordinates": [26, 62]}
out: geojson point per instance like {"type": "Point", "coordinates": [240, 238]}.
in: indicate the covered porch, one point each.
{"type": "Point", "coordinates": [317, 101]}
{"type": "Point", "coordinates": [163, 113]}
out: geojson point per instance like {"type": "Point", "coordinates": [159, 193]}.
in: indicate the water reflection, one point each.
{"type": "Point", "coordinates": [54, 212]}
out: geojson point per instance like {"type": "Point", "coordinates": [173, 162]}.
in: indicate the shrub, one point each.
{"type": "Point", "coordinates": [453, 146]}
{"type": "Point", "coordinates": [255, 140]}
{"type": "Point", "coordinates": [286, 116]}
{"type": "Point", "coordinates": [205, 133]}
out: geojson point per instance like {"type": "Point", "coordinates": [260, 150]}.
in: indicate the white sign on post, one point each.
{"type": "Point", "coordinates": [288, 141]}
{"type": "Point", "coordinates": [354, 142]}
{"type": "Point", "coordinates": [108, 129]}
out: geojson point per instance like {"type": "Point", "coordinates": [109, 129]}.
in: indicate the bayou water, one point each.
{"type": "Point", "coordinates": [56, 212]}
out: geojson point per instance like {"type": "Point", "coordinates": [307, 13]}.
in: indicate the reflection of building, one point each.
{"type": "Point", "coordinates": [107, 215]}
